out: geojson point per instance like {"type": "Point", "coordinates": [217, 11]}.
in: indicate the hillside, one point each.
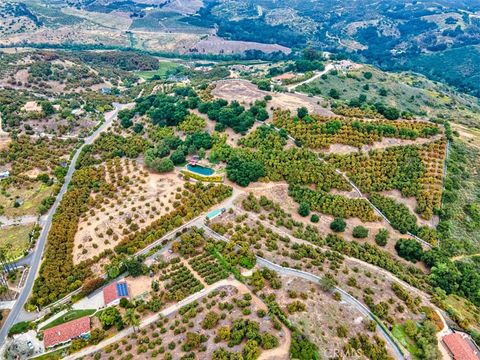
{"type": "Point", "coordinates": [436, 38]}
{"type": "Point", "coordinates": [412, 93]}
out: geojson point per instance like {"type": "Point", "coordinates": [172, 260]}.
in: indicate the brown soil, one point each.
{"type": "Point", "coordinates": [278, 192]}
{"type": "Point", "coordinates": [247, 93]}
{"type": "Point", "coordinates": [411, 203]}
{"type": "Point", "coordinates": [216, 45]}
{"type": "Point", "coordinates": [147, 199]}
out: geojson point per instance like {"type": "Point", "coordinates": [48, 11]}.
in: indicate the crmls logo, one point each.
{"type": "Point", "coordinates": [349, 353]}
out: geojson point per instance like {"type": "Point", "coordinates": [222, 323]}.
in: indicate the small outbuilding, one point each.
{"type": "Point", "coordinates": [113, 292]}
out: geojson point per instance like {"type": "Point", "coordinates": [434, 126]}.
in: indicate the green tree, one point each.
{"type": "Point", "coordinates": [178, 157]}
{"type": "Point", "coordinates": [338, 225]}
{"type": "Point", "coordinates": [135, 266]}
{"type": "Point", "coordinates": [109, 317]}
{"type": "Point", "coordinates": [302, 112]}
{"type": "Point", "coordinates": [210, 320]}
{"type": "Point", "coordinates": [304, 209]}
{"type": "Point", "coordinates": [47, 108]}
{"type": "Point", "coordinates": [409, 249]}
{"type": "Point", "coordinates": [132, 319]}
{"type": "Point", "coordinates": [360, 232]}
{"type": "Point", "coordinates": [251, 351]}
{"type": "Point", "coordinates": [391, 113]}
{"type": "Point", "coordinates": [382, 237]}
{"type": "Point", "coordinates": [242, 171]}
{"type": "Point", "coordinates": [334, 94]}
{"type": "Point", "coordinates": [162, 165]}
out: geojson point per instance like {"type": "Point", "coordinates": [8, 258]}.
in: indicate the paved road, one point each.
{"type": "Point", "coordinates": [38, 253]}
{"type": "Point", "coordinates": [328, 67]}
{"type": "Point", "coordinates": [314, 278]}
{"type": "Point", "coordinates": [345, 297]}
{"type": "Point", "coordinates": [154, 318]}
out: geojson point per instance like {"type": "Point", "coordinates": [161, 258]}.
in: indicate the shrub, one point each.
{"type": "Point", "coordinates": [315, 218]}
{"type": "Point", "coordinates": [360, 232]}
{"type": "Point", "coordinates": [338, 225]}
{"type": "Point", "coordinates": [304, 209]}
{"type": "Point", "coordinates": [409, 249]}
{"type": "Point", "coordinates": [382, 237]}
{"type": "Point", "coordinates": [210, 320]}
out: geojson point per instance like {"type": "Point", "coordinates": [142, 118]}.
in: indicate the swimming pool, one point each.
{"type": "Point", "coordinates": [213, 214]}
{"type": "Point", "coordinates": [201, 170]}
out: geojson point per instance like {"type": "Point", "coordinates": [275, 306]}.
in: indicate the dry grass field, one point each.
{"type": "Point", "coordinates": [246, 93]}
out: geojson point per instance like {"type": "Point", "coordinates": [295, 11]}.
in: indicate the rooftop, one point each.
{"type": "Point", "coordinates": [65, 332]}
{"type": "Point", "coordinates": [460, 347]}
{"type": "Point", "coordinates": [115, 291]}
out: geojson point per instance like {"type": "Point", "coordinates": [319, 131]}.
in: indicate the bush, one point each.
{"type": "Point", "coordinates": [210, 320]}
{"type": "Point", "coordinates": [409, 249]}
{"type": "Point", "coordinates": [178, 157]}
{"type": "Point", "coordinates": [315, 218]}
{"type": "Point", "coordinates": [162, 165]}
{"type": "Point", "coordinates": [338, 225]}
{"type": "Point", "coordinates": [360, 232]}
{"type": "Point", "coordinates": [382, 237]}
{"type": "Point", "coordinates": [304, 209]}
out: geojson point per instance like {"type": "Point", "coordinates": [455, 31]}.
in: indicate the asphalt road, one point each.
{"type": "Point", "coordinates": [345, 297]}
{"type": "Point", "coordinates": [40, 247]}
{"type": "Point", "coordinates": [164, 313]}
{"type": "Point", "coordinates": [316, 279]}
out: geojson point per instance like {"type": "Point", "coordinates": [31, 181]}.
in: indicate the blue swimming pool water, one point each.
{"type": "Point", "coordinates": [214, 213]}
{"type": "Point", "coordinates": [201, 170]}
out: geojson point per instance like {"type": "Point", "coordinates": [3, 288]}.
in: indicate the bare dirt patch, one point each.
{"type": "Point", "coordinates": [278, 192]}
{"type": "Point", "coordinates": [142, 200]}
{"type": "Point", "coordinates": [216, 45]}
{"type": "Point", "coordinates": [411, 203]}
{"type": "Point", "coordinates": [246, 93]}
{"type": "Point", "coordinates": [32, 106]}
{"type": "Point", "coordinates": [322, 316]}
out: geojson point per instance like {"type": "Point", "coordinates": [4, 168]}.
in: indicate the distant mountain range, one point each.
{"type": "Point", "coordinates": [438, 38]}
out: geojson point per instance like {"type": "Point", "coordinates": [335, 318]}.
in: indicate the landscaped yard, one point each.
{"type": "Point", "coordinates": [399, 332]}
{"type": "Point", "coordinates": [15, 240]}
{"type": "Point", "coordinates": [163, 68]}
{"type": "Point", "coordinates": [69, 316]}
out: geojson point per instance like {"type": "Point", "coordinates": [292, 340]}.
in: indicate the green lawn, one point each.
{"type": "Point", "coordinates": [69, 316]}
{"type": "Point", "coordinates": [19, 328]}
{"type": "Point", "coordinates": [14, 240]}
{"type": "Point", "coordinates": [399, 332]}
{"type": "Point", "coordinates": [163, 68]}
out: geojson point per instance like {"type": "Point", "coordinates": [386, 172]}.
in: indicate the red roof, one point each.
{"type": "Point", "coordinates": [110, 293]}
{"type": "Point", "coordinates": [66, 332]}
{"type": "Point", "coordinates": [460, 347]}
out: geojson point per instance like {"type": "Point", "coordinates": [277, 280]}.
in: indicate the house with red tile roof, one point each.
{"type": "Point", "coordinates": [460, 347]}
{"type": "Point", "coordinates": [64, 333]}
{"type": "Point", "coordinates": [113, 292]}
